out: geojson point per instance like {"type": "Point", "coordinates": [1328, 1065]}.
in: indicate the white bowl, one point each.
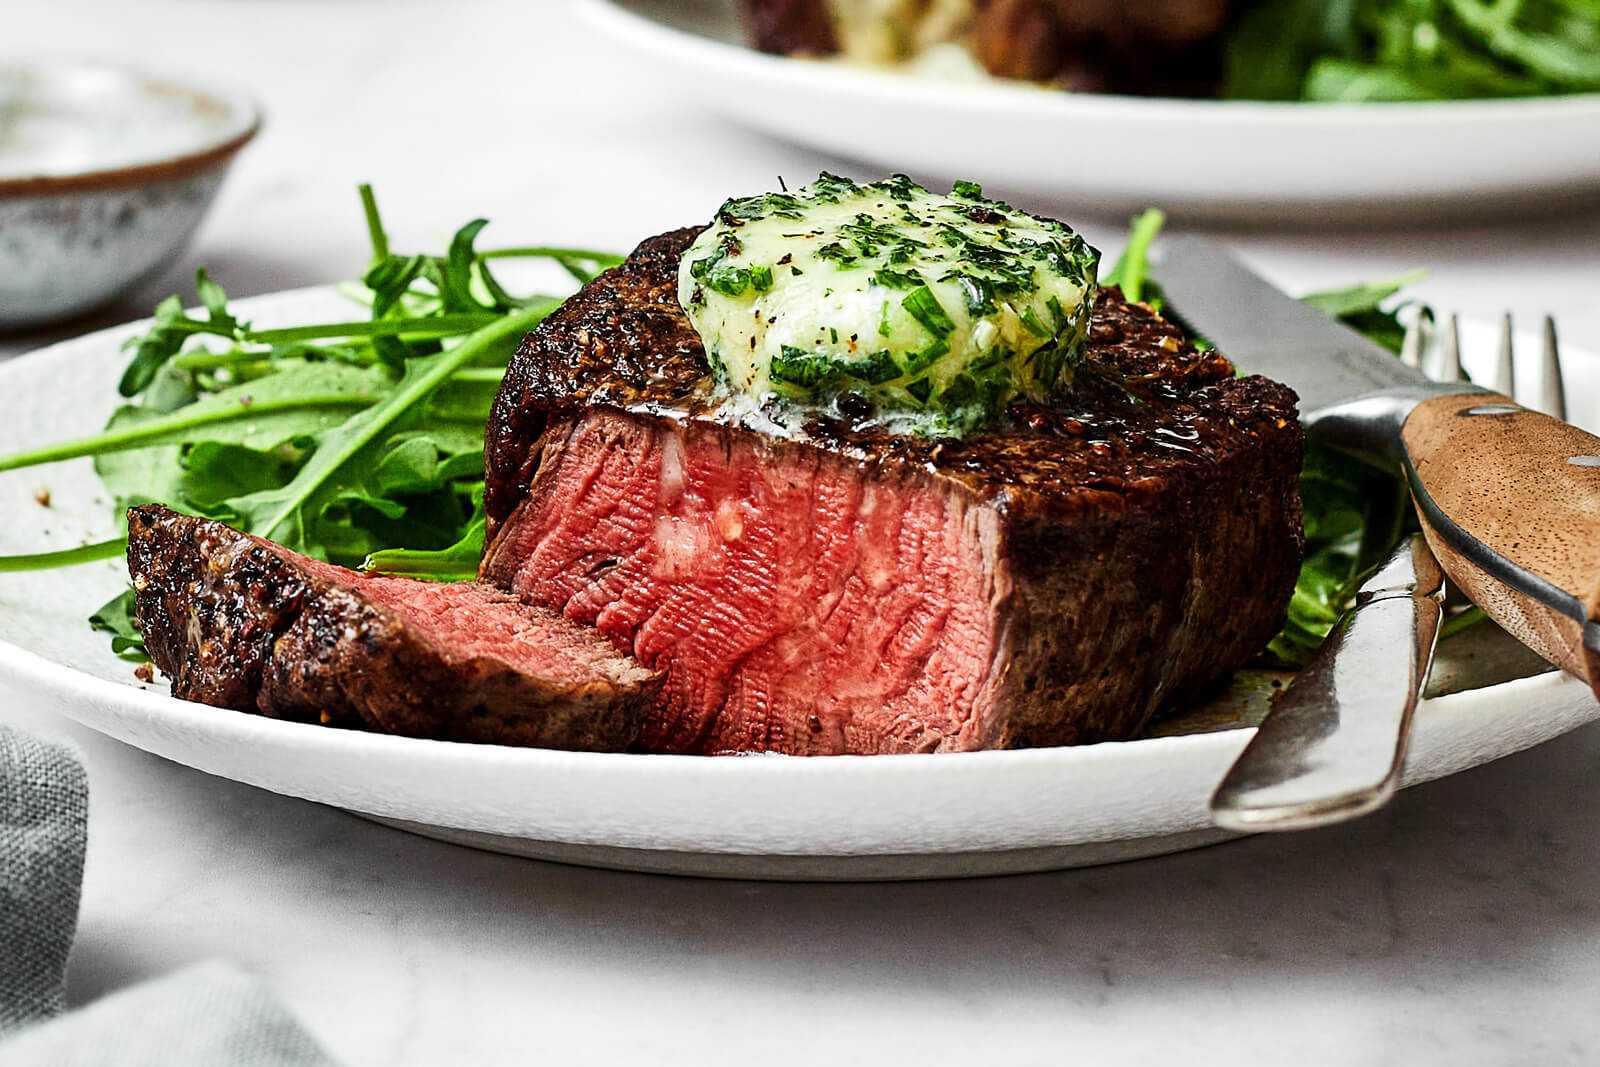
{"type": "Point", "coordinates": [104, 175]}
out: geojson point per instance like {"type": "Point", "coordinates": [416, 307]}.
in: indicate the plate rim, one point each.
{"type": "Point", "coordinates": [663, 40]}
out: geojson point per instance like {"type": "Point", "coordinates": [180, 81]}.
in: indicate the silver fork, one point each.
{"type": "Point", "coordinates": [1552, 389]}
{"type": "Point", "coordinates": [1306, 767]}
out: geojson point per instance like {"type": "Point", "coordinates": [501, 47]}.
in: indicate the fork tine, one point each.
{"type": "Point", "coordinates": [1504, 381]}
{"type": "Point", "coordinates": [1449, 368]}
{"type": "Point", "coordinates": [1553, 391]}
{"type": "Point", "coordinates": [1416, 338]}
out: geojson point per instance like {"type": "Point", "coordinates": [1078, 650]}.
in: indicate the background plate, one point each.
{"type": "Point", "coordinates": [1207, 159]}
{"type": "Point", "coordinates": [756, 816]}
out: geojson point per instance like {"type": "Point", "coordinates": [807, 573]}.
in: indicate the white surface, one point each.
{"type": "Point", "coordinates": [1218, 159]}
{"type": "Point", "coordinates": [1458, 927]}
{"type": "Point", "coordinates": [854, 806]}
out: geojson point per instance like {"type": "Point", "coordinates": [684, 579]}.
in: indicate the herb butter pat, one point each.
{"type": "Point", "coordinates": [935, 310]}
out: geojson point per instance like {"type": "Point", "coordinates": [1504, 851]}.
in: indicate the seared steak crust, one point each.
{"type": "Point", "coordinates": [623, 342]}
{"type": "Point", "coordinates": [240, 623]}
{"type": "Point", "coordinates": [1105, 556]}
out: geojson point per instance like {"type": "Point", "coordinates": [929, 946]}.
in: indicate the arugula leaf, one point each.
{"type": "Point", "coordinates": [1130, 271]}
{"type": "Point", "coordinates": [171, 329]}
{"type": "Point", "coordinates": [1391, 50]}
{"type": "Point", "coordinates": [68, 557]}
{"type": "Point", "coordinates": [458, 563]}
{"type": "Point", "coordinates": [358, 436]}
{"type": "Point", "coordinates": [1359, 299]}
{"type": "Point", "coordinates": [286, 514]}
{"type": "Point", "coordinates": [116, 617]}
{"type": "Point", "coordinates": [295, 399]}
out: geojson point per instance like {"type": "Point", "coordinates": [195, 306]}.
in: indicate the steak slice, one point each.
{"type": "Point", "coordinates": [239, 622]}
{"type": "Point", "coordinates": [1052, 582]}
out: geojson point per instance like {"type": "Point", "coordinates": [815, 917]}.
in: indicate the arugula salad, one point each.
{"type": "Point", "coordinates": [360, 442]}
{"type": "Point", "coordinates": [1384, 50]}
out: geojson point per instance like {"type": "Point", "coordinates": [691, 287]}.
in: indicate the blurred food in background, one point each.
{"type": "Point", "coordinates": [1323, 50]}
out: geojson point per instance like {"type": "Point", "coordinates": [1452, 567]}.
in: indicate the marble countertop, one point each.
{"type": "Point", "coordinates": [1458, 926]}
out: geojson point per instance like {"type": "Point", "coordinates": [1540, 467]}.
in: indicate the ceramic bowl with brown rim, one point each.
{"type": "Point", "coordinates": [104, 175]}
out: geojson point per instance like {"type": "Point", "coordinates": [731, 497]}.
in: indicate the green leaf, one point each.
{"type": "Point", "coordinates": [214, 472]}
{"type": "Point", "coordinates": [288, 514]}
{"type": "Point", "coordinates": [65, 557]}
{"type": "Point", "coordinates": [213, 299]}
{"type": "Point", "coordinates": [1360, 308]}
{"type": "Point", "coordinates": [297, 399]}
{"type": "Point", "coordinates": [1393, 50]}
{"type": "Point", "coordinates": [116, 617]}
{"type": "Point", "coordinates": [923, 306]}
{"type": "Point", "coordinates": [456, 273]}
{"type": "Point", "coordinates": [422, 462]}
{"type": "Point", "coordinates": [1132, 267]}
{"type": "Point", "coordinates": [1353, 299]}
{"type": "Point", "coordinates": [170, 329]}
{"type": "Point", "coordinates": [458, 563]}
{"type": "Point", "coordinates": [799, 367]}
{"type": "Point", "coordinates": [1267, 53]}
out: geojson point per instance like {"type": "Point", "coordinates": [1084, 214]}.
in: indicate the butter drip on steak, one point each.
{"type": "Point", "coordinates": [1052, 581]}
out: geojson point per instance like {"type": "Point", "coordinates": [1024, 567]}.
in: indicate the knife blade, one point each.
{"type": "Point", "coordinates": [1265, 331]}
{"type": "Point", "coordinates": [1508, 498]}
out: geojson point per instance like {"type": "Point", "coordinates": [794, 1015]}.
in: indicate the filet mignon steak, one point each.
{"type": "Point", "coordinates": [1051, 582]}
{"type": "Point", "coordinates": [239, 622]}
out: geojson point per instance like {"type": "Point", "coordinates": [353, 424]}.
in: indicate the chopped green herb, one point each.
{"type": "Point", "coordinates": [1058, 313]}
{"type": "Point", "coordinates": [924, 358]}
{"type": "Point", "coordinates": [894, 279]}
{"type": "Point", "coordinates": [1030, 319]}
{"type": "Point", "coordinates": [923, 306]}
{"type": "Point", "coordinates": [798, 367]}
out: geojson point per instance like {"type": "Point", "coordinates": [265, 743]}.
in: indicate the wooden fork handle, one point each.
{"type": "Point", "coordinates": [1510, 503]}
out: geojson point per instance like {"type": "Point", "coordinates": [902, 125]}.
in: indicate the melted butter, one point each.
{"type": "Point", "coordinates": [934, 310]}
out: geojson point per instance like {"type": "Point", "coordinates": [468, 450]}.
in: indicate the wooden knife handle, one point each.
{"type": "Point", "coordinates": [1510, 504]}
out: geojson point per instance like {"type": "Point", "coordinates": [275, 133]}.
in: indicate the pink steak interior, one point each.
{"type": "Point", "coordinates": [471, 620]}
{"type": "Point", "coordinates": [796, 606]}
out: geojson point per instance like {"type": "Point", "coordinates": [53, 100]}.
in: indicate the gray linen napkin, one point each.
{"type": "Point", "coordinates": [212, 1014]}
{"type": "Point", "coordinates": [44, 805]}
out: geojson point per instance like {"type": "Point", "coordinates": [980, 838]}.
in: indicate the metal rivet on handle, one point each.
{"type": "Point", "coordinates": [1584, 461]}
{"type": "Point", "coordinates": [1489, 409]}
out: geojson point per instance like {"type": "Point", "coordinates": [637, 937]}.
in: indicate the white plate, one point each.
{"type": "Point", "coordinates": [1235, 160]}
{"type": "Point", "coordinates": [760, 816]}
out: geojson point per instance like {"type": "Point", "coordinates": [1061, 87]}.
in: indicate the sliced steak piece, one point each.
{"type": "Point", "coordinates": [239, 622]}
{"type": "Point", "coordinates": [1053, 582]}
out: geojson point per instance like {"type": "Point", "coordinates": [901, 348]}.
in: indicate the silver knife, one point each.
{"type": "Point", "coordinates": [1507, 502]}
